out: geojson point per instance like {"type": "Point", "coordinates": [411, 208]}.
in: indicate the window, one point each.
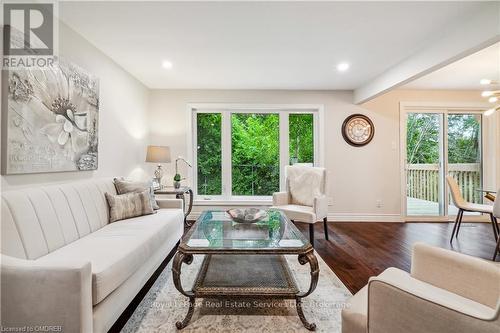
{"type": "Point", "coordinates": [209, 153]}
{"type": "Point", "coordinates": [242, 153]}
{"type": "Point", "coordinates": [255, 156]}
{"type": "Point", "coordinates": [301, 138]}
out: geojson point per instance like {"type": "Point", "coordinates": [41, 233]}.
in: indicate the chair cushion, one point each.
{"type": "Point", "coordinates": [117, 250]}
{"type": "Point", "coordinates": [355, 314]}
{"type": "Point", "coordinates": [298, 213]}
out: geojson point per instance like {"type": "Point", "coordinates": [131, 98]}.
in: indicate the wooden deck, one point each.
{"type": "Point", "coordinates": [420, 207]}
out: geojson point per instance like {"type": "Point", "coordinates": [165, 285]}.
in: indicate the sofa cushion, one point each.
{"type": "Point", "coordinates": [37, 221]}
{"type": "Point", "coordinates": [117, 250]}
{"type": "Point", "coordinates": [124, 206]}
{"type": "Point", "coordinates": [126, 186]}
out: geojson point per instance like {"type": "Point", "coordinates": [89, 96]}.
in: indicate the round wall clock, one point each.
{"type": "Point", "coordinates": [358, 130]}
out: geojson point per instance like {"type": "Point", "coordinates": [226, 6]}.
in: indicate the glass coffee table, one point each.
{"type": "Point", "coordinates": [244, 260]}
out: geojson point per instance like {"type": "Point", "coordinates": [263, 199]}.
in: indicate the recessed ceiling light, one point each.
{"type": "Point", "coordinates": [343, 66]}
{"type": "Point", "coordinates": [485, 82]}
{"type": "Point", "coordinates": [166, 64]}
{"type": "Point", "coordinates": [493, 99]}
{"type": "Point", "coordinates": [487, 93]}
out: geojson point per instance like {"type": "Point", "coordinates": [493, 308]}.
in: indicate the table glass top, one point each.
{"type": "Point", "coordinates": [217, 230]}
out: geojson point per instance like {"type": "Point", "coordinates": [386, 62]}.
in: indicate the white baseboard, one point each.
{"type": "Point", "coordinates": [346, 217]}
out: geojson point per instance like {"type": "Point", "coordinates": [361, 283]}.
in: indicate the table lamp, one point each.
{"type": "Point", "coordinates": [158, 154]}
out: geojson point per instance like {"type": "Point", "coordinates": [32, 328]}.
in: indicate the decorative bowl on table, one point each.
{"type": "Point", "coordinates": [247, 215]}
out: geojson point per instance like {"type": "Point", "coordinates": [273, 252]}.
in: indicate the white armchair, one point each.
{"type": "Point", "coordinates": [446, 292]}
{"type": "Point", "coordinates": [305, 197]}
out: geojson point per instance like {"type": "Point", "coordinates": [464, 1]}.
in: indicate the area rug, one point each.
{"type": "Point", "coordinates": [163, 305]}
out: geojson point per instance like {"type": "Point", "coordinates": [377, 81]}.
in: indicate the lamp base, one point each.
{"type": "Point", "coordinates": [159, 173]}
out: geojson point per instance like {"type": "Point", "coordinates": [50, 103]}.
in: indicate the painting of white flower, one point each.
{"type": "Point", "coordinates": [52, 120]}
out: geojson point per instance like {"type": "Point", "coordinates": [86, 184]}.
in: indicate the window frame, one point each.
{"type": "Point", "coordinates": [226, 110]}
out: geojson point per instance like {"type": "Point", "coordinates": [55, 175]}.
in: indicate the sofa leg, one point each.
{"type": "Point", "coordinates": [326, 227]}
{"type": "Point", "coordinates": [311, 234]}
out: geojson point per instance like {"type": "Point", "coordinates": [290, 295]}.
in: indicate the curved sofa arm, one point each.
{"type": "Point", "coordinates": [55, 294]}
{"type": "Point", "coordinates": [455, 272]}
{"type": "Point", "coordinates": [280, 198]}
{"type": "Point", "coordinates": [170, 203]}
{"type": "Point", "coordinates": [320, 206]}
{"type": "Point", "coordinates": [399, 303]}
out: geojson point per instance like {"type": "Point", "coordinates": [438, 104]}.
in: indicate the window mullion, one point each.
{"type": "Point", "coordinates": [284, 147]}
{"type": "Point", "coordinates": [316, 140]}
{"type": "Point", "coordinates": [226, 155]}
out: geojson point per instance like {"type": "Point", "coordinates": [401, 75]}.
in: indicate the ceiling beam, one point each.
{"type": "Point", "coordinates": [477, 31]}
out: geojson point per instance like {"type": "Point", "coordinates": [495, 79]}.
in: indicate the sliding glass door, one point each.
{"type": "Point", "coordinates": [439, 144]}
{"type": "Point", "coordinates": [424, 164]}
{"type": "Point", "coordinates": [464, 156]}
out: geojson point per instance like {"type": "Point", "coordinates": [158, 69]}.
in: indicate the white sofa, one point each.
{"type": "Point", "coordinates": [64, 265]}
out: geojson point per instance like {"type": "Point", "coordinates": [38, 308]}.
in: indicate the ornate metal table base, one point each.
{"type": "Point", "coordinates": [180, 193]}
{"type": "Point", "coordinates": [245, 275]}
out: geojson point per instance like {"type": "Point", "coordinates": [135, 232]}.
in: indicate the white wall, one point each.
{"type": "Point", "coordinates": [358, 177]}
{"type": "Point", "coordinates": [131, 116]}
{"type": "Point", "coordinates": [123, 126]}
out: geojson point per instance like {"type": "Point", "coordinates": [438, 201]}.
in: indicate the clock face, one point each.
{"type": "Point", "coordinates": [358, 130]}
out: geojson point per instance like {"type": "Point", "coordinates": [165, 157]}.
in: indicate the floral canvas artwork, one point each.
{"type": "Point", "coordinates": [52, 120]}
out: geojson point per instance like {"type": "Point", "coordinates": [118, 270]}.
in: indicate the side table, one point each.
{"type": "Point", "coordinates": [180, 194]}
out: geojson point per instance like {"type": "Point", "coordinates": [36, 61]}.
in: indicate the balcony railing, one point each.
{"type": "Point", "coordinates": [423, 181]}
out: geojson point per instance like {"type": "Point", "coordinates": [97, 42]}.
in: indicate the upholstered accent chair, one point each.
{"type": "Point", "coordinates": [496, 214]}
{"type": "Point", "coordinates": [446, 292]}
{"type": "Point", "coordinates": [305, 197]}
{"type": "Point", "coordinates": [464, 206]}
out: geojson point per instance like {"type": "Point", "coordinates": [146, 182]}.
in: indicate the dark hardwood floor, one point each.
{"type": "Point", "coordinates": [355, 251]}
{"type": "Point", "coordinates": [358, 250]}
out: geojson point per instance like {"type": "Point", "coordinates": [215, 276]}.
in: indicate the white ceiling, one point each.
{"type": "Point", "coordinates": [255, 45]}
{"type": "Point", "coordinates": [464, 73]}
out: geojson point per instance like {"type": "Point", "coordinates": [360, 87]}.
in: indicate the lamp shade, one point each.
{"type": "Point", "coordinates": [158, 154]}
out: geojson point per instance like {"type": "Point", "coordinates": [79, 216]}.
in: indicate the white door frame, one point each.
{"type": "Point", "coordinates": [445, 108]}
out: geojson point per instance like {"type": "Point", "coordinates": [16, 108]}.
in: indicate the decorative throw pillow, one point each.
{"type": "Point", "coordinates": [124, 206]}
{"type": "Point", "coordinates": [305, 184]}
{"type": "Point", "coordinates": [126, 186]}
